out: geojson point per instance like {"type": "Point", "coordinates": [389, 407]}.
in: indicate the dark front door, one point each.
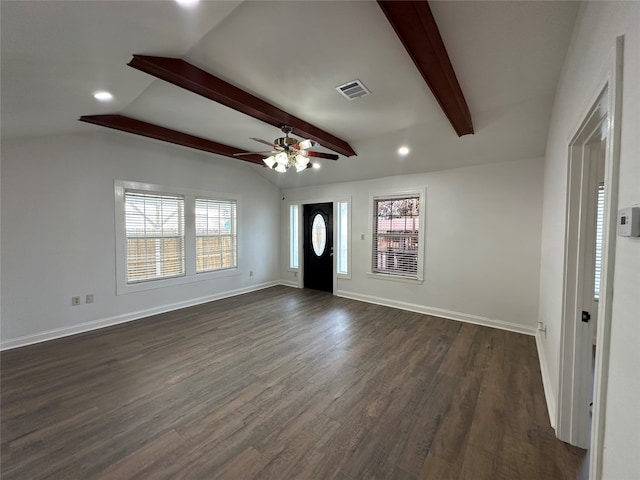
{"type": "Point", "coordinates": [318, 246]}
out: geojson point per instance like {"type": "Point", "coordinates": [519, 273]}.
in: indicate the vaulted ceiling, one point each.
{"type": "Point", "coordinates": [507, 58]}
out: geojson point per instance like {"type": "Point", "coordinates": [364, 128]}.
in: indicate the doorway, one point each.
{"type": "Point", "coordinates": [318, 246]}
{"type": "Point", "coordinates": [581, 299]}
{"type": "Point", "coordinates": [592, 180]}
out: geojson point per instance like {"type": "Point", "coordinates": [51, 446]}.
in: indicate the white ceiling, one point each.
{"type": "Point", "coordinates": [507, 56]}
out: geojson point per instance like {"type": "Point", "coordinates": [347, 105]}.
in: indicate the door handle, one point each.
{"type": "Point", "coordinates": [586, 316]}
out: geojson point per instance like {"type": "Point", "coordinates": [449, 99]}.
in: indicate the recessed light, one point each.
{"type": "Point", "coordinates": [316, 165]}
{"type": "Point", "coordinates": [103, 96]}
{"type": "Point", "coordinates": [403, 151]}
{"type": "Point", "coordinates": [187, 3]}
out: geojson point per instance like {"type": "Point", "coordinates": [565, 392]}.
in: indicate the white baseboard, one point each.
{"type": "Point", "coordinates": [126, 317]}
{"type": "Point", "coordinates": [438, 312]}
{"type": "Point", "coordinates": [549, 391]}
{"type": "Point", "coordinates": [288, 283]}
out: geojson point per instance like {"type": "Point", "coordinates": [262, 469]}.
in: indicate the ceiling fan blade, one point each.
{"type": "Point", "coordinates": [306, 144]}
{"type": "Point", "coordinates": [269, 152]}
{"type": "Point", "coordinates": [263, 141]}
{"type": "Point", "coordinates": [328, 156]}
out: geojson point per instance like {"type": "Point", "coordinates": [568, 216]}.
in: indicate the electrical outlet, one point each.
{"type": "Point", "coordinates": [88, 298]}
{"type": "Point", "coordinates": [251, 273]}
{"type": "Point", "coordinates": [75, 301]}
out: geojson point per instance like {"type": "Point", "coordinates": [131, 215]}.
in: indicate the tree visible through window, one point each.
{"type": "Point", "coordinates": [396, 227]}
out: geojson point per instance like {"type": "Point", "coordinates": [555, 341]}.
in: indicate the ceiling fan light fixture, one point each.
{"type": "Point", "coordinates": [282, 159]}
{"type": "Point", "coordinates": [289, 152]}
{"type": "Point", "coordinates": [302, 160]}
{"type": "Point", "coordinates": [269, 161]}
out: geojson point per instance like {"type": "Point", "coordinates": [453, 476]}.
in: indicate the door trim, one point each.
{"type": "Point", "coordinates": [612, 165]}
{"type": "Point", "coordinates": [572, 421]}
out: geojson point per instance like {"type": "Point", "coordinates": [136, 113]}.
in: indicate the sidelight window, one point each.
{"type": "Point", "coordinates": [293, 236]}
{"type": "Point", "coordinates": [342, 260]}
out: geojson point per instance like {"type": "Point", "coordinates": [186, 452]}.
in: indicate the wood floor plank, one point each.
{"type": "Point", "coordinates": [280, 383]}
{"type": "Point", "coordinates": [435, 468]}
{"type": "Point", "coordinates": [138, 460]}
{"type": "Point", "coordinates": [244, 467]}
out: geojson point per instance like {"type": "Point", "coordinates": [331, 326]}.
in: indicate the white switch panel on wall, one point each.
{"type": "Point", "coordinates": [629, 222]}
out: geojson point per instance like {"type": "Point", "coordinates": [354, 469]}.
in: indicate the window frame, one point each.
{"type": "Point", "coordinates": [422, 195]}
{"type": "Point", "coordinates": [190, 276]}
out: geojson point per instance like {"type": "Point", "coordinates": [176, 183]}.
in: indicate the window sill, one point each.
{"type": "Point", "coordinates": [170, 282]}
{"type": "Point", "coordinates": [395, 278]}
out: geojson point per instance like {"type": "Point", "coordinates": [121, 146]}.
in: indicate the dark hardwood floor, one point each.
{"type": "Point", "coordinates": [283, 384]}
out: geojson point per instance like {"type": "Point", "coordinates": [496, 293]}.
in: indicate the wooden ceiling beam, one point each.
{"type": "Point", "coordinates": [417, 30]}
{"type": "Point", "coordinates": [150, 130]}
{"type": "Point", "coordinates": [192, 78]}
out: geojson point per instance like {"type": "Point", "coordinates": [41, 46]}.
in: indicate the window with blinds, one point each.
{"type": "Point", "coordinates": [293, 236]}
{"type": "Point", "coordinates": [599, 239]}
{"type": "Point", "coordinates": [216, 235]}
{"type": "Point", "coordinates": [154, 226]}
{"type": "Point", "coordinates": [342, 264]}
{"type": "Point", "coordinates": [396, 228]}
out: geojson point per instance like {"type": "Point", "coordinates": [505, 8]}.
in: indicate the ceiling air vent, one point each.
{"type": "Point", "coordinates": [353, 90]}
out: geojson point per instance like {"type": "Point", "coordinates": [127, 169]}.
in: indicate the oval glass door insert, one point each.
{"type": "Point", "coordinates": [318, 234]}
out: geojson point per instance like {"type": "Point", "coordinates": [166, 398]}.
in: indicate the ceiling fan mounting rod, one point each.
{"type": "Point", "coordinates": [286, 129]}
{"type": "Point", "coordinates": [285, 142]}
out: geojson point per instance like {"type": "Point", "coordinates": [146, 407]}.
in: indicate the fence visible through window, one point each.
{"type": "Point", "coordinates": [154, 227]}
{"type": "Point", "coordinates": [216, 235]}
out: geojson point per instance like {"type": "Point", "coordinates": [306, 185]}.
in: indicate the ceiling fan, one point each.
{"type": "Point", "coordinates": [289, 152]}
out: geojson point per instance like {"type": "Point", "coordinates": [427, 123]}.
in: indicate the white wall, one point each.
{"type": "Point", "coordinates": [482, 242]}
{"type": "Point", "coordinates": [58, 229]}
{"type": "Point", "coordinates": [589, 58]}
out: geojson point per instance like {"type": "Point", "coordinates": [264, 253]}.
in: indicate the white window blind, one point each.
{"type": "Point", "coordinates": [293, 236]}
{"type": "Point", "coordinates": [396, 227]}
{"type": "Point", "coordinates": [154, 226]}
{"type": "Point", "coordinates": [599, 238]}
{"type": "Point", "coordinates": [342, 265]}
{"type": "Point", "coordinates": [216, 235]}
